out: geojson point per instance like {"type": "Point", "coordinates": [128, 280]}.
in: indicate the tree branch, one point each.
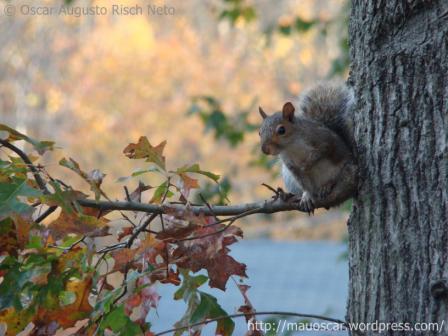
{"type": "Point", "coordinates": [264, 207]}
{"type": "Point", "coordinates": [312, 316]}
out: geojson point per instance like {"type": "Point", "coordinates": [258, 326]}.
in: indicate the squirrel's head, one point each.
{"type": "Point", "coordinates": [276, 130]}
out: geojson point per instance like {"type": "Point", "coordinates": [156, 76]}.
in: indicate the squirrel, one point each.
{"type": "Point", "coordinates": [315, 146]}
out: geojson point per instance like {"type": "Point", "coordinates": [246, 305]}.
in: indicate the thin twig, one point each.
{"type": "Point", "coordinates": [128, 219]}
{"type": "Point", "coordinates": [113, 247]}
{"type": "Point", "coordinates": [126, 191]}
{"type": "Point", "coordinates": [140, 229]}
{"type": "Point", "coordinates": [269, 187]}
{"type": "Point", "coordinates": [208, 206]}
{"type": "Point", "coordinates": [79, 241]}
{"type": "Point", "coordinates": [312, 316]}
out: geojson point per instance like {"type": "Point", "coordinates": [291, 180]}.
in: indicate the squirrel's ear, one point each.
{"type": "Point", "coordinates": [288, 111]}
{"type": "Point", "coordinates": [262, 113]}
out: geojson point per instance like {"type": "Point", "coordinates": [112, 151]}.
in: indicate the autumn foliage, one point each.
{"type": "Point", "coordinates": [55, 271]}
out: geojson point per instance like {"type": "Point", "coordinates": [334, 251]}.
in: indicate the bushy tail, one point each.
{"type": "Point", "coordinates": [330, 104]}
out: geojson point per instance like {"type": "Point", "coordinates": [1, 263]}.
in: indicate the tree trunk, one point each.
{"type": "Point", "coordinates": [399, 226]}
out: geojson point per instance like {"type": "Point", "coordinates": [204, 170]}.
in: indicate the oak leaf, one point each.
{"type": "Point", "coordinates": [13, 135]}
{"type": "Point", "coordinates": [211, 253]}
{"type": "Point", "coordinates": [144, 150]}
{"type": "Point", "coordinates": [123, 259]}
{"type": "Point", "coordinates": [188, 183]}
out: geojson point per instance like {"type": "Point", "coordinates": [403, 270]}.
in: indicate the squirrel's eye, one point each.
{"type": "Point", "coordinates": [281, 130]}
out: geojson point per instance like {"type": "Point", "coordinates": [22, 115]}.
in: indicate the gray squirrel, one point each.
{"type": "Point", "coordinates": [315, 146]}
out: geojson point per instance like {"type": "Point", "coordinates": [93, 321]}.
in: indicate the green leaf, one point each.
{"type": "Point", "coordinates": [160, 192]}
{"type": "Point", "coordinates": [285, 29]}
{"type": "Point", "coordinates": [68, 241]}
{"type": "Point", "coordinates": [302, 25]}
{"type": "Point", "coordinates": [189, 285]}
{"type": "Point", "coordinates": [216, 193]}
{"type": "Point", "coordinates": [209, 110]}
{"type": "Point", "coordinates": [116, 319]}
{"type": "Point", "coordinates": [209, 308]}
{"type": "Point", "coordinates": [40, 146]}
{"type": "Point", "coordinates": [63, 198]}
{"type": "Point", "coordinates": [66, 298]}
{"type": "Point", "coordinates": [189, 293]}
{"type": "Point", "coordinates": [237, 10]}
{"type": "Point", "coordinates": [9, 193]}
{"type": "Point", "coordinates": [120, 323]}
{"type": "Point", "coordinates": [71, 164]}
{"type": "Point", "coordinates": [139, 172]}
{"type": "Point", "coordinates": [196, 169]}
{"type": "Point", "coordinates": [106, 303]}
{"type": "Point", "coordinates": [15, 168]}
{"type": "Point", "coordinates": [35, 242]}
{"type": "Point", "coordinates": [11, 285]}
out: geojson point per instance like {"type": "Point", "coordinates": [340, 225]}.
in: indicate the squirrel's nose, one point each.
{"type": "Point", "coordinates": [265, 149]}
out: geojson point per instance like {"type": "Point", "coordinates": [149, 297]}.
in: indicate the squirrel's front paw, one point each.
{"type": "Point", "coordinates": [284, 196]}
{"type": "Point", "coordinates": [306, 203]}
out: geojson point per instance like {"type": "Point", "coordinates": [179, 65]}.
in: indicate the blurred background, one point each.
{"type": "Point", "coordinates": [93, 79]}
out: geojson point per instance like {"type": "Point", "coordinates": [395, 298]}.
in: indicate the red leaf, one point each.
{"type": "Point", "coordinates": [211, 253]}
{"type": "Point", "coordinates": [79, 224]}
{"type": "Point", "coordinates": [125, 232]}
{"type": "Point", "coordinates": [176, 231]}
{"type": "Point", "coordinates": [123, 258]}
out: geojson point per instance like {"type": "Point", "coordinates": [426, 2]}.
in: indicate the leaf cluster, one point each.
{"type": "Point", "coordinates": [55, 272]}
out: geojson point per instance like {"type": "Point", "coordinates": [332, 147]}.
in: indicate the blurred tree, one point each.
{"type": "Point", "coordinates": [98, 81]}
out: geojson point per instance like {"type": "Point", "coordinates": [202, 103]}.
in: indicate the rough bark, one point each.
{"type": "Point", "coordinates": [399, 227]}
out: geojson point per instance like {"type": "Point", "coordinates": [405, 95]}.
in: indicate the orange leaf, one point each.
{"type": "Point", "coordinates": [188, 183]}
{"type": "Point", "coordinates": [15, 320]}
{"type": "Point", "coordinates": [144, 150]}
